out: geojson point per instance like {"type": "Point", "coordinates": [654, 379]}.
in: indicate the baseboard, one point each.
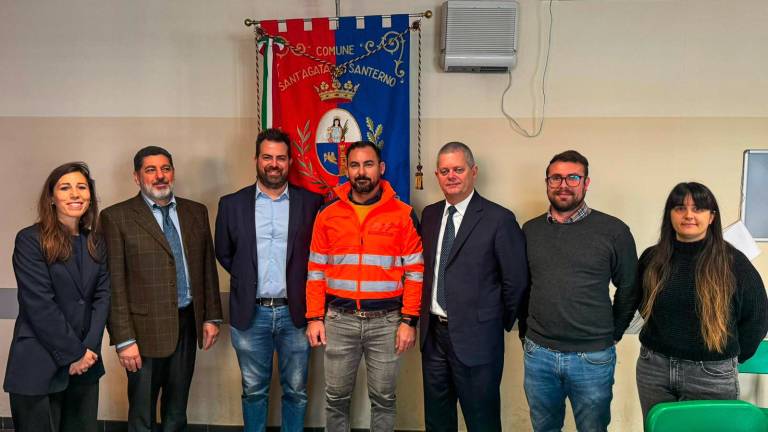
{"type": "Point", "coordinates": [6, 423]}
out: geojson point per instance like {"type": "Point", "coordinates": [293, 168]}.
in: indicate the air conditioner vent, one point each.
{"type": "Point", "coordinates": [479, 36]}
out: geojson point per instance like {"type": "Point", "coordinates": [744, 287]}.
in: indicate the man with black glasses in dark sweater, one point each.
{"type": "Point", "coordinates": [570, 327]}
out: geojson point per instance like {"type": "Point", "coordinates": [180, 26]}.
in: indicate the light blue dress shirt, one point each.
{"type": "Point", "coordinates": [185, 296]}
{"type": "Point", "coordinates": [271, 243]}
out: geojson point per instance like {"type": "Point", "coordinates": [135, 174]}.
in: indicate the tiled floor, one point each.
{"type": "Point", "coordinates": [120, 426]}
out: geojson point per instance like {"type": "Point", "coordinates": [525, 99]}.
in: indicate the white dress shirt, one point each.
{"type": "Point", "coordinates": [458, 216]}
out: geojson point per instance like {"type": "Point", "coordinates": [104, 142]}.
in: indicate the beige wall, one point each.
{"type": "Point", "coordinates": [652, 92]}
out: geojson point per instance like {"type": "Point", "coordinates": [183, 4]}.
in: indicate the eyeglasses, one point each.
{"type": "Point", "coordinates": [571, 180]}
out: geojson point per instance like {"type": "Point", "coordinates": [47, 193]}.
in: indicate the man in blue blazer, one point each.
{"type": "Point", "coordinates": [262, 239]}
{"type": "Point", "coordinates": [475, 275]}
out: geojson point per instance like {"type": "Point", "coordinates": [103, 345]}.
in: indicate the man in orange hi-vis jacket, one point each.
{"type": "Point", "coordinates": [364, 288]}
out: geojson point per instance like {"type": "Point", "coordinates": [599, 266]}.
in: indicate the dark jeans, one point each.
{"type": "Point", "coordinates": [72, 410]}
{"type": "Point", "coordinates": [669, 379]}
{"type": "Point", "coordinates": [446, 379]}
{"type": "Point", "coordinates": [586, 378]}
{"type": "Point", "coordinates": [172, 375]}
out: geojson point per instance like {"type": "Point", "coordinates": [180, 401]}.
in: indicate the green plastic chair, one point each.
{"type": "Point", "coordinates": [706, 416]}
{"type": "Point", "coordinates": [758, 363]}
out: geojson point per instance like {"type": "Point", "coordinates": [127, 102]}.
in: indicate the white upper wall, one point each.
{"type": "Point", "coordinates": [195, 58]}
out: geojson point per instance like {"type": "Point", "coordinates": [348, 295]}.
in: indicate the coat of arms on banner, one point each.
{"type": "Point", "coordinates": [328, 88]}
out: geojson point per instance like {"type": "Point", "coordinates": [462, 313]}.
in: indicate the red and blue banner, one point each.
{"type": "Point", "coordinates": [330, 87]}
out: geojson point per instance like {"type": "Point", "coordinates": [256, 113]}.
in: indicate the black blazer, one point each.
{"type": "Point", "coordinates": [236, 251]}
{"type": "Point", "coordinates": [62, 311]}
{"type": "Point", "coordinates": [485, 278]}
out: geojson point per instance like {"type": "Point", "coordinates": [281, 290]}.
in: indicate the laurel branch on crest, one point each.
{"type": "Point", "coordinates": [306, 169]}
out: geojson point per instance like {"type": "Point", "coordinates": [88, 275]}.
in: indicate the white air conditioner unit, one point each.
{"type": "Point", "coordinates": [479, 36]}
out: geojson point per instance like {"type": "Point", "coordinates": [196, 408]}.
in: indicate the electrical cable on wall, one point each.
{"type": "Point", "coordinates": [512, 122]}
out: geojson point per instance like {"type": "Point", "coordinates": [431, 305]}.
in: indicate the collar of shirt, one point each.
{"type": "Point", "coordinates": [461, 206]}
{"type": "Point", "coordinates": [152, 204]}
{"type": "Point", "coordinates": [283, 195]}
{"type": "Point", "coordinates": [373, 200]}
{"type": "Point", "coordinates": [578, 215]}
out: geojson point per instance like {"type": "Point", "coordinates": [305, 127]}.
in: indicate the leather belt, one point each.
{"type": "Point", "coordinates": [441, 319]}
{"type": "Point", "coordinates": [273, 302]}
{"type": "Point", "coordinates": [364, 314]}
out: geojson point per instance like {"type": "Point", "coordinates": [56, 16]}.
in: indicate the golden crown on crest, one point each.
{"type": "Point", "coordinates": [336, 90]}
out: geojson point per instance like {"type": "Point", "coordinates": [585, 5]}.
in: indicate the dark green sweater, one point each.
{"type": "Point", "coordinates": [571, 266]}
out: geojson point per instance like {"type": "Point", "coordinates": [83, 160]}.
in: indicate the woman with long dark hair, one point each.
{"type": "Point", "coordinates": [54, 363]}
{"type": "Point", "coordinates": [704, 305]}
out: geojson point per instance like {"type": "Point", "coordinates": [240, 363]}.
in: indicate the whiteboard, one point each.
{"type": "Point", "coordinates": [754, 193]}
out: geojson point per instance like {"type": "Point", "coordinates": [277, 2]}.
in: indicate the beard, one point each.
{"type": "Point", "coordinates": [565, 206]}
{"type": "Point", "coordinates": [156, 194]}
{"type": "Point", "coordinates": [274, 178]}
{"type": "Point", "coordinates": [363, 185]}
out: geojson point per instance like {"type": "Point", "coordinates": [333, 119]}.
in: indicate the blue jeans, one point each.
{"type": "Point", "coordinates": [350, 338]}
{"type": "Point", "coordinates": [586, 378]}
{"type": "Point", "coordinates": [670, 379]}
{"type": "Point", "coordinates": [272, 330]}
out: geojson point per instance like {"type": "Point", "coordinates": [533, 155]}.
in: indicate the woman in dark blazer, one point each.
{"type": "Point", "coordinates": [54, 363]}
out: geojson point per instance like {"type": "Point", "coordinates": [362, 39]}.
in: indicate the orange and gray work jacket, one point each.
{"type": "Point", "coordinates": [374, 261]}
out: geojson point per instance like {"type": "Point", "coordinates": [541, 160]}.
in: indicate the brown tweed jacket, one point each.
{"type": "Point", "coordinates": [143, 274]}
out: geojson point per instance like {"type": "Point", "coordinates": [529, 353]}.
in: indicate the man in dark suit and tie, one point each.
{"type": "Point", "coordinates": [263, 233]}
{"type": "Point", "coordinates": [165, 291]}
{"type": "Point", "coordinates": [475, 275]}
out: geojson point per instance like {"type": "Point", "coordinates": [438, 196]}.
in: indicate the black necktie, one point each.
{"type": "Point", "coordinates": [445, 251]}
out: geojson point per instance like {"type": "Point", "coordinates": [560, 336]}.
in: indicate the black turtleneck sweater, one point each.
{"type": "Point", "coordinates": [674, 327]}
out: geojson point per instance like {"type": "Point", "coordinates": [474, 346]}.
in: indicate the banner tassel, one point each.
{"type": "Point", "coordinates": [419, 177]}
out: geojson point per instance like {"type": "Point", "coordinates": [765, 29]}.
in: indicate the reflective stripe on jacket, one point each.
{"type": "Point", "coordinates": [376, 259]}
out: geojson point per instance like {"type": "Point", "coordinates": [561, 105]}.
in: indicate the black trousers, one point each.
{"type": "Point", "coordinates": [166, 377]}
{"type": "Point", "coordinates": [72, 410]}
{"type": "Point", "coordinates": [446, 379]}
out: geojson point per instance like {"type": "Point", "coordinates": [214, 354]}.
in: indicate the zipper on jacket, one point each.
{"type": "Point", "coordinates": [360, 225]}
{"type": "Point", "coordinates": [359, 269]}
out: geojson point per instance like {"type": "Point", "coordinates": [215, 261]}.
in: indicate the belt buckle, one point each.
{"type": "Point", "coordinates": [270, 303]}
{"type": "Point", "coordinates": [443, 320]}
{"type": "Point", "coordinates": [360, 314]}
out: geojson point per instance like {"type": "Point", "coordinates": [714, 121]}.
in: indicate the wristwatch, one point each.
{"type": "Point", "coordinates": [410, 320]}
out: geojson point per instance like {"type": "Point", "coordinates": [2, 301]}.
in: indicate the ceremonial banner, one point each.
{"type": "Point", "coordinates": [331, 87]}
